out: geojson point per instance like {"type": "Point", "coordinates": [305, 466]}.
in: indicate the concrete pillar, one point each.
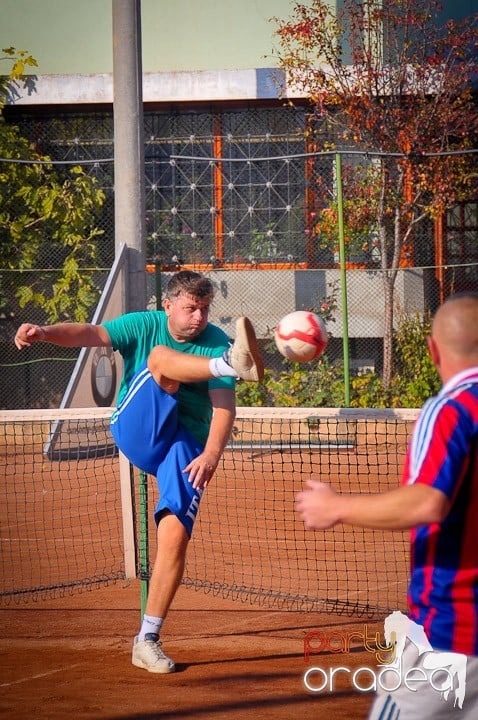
{"type": "Point", "coordinates": [129, 147]}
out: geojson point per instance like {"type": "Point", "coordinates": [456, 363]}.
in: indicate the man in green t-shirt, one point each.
{"type": "Point", "coordinates": [174, 416]}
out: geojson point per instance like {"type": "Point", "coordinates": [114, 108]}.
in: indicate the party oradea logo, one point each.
{"type": "Point", "coordinates": [444, 671]}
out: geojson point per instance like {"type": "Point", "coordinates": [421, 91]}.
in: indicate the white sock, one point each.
{"type": "Point", "coordinates": [219, 367]}
{"type": "Point", "coordinates": [150, 625]}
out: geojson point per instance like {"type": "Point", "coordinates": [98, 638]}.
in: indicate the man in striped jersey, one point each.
{"type": "Point", "coordinates": [438, 501]}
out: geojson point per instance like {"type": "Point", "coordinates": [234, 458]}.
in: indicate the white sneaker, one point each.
{"type": "Point", "coordinates": [147, 654]}
{"type": "Point", "coordinates": [244, 356]}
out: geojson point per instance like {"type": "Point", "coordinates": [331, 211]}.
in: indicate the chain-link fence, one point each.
{"type": "Point", "coordinates": [242, 195]}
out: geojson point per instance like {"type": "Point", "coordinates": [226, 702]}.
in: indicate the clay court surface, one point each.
{"type": "Point", "coordinates": [70, 658]}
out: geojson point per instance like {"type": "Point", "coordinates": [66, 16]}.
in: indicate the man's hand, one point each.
{"type": "Point", "coordinates": [201, 470]}
{"type": "Point", "coordinates": [28, 334]}
{"type": "Point", "coordinates": [317, 506]}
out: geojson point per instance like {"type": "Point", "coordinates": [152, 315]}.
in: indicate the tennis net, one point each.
{"type": "Point", "coordinates": [67, 519]}
{"type": "Point", "coordinates": [60, 509]}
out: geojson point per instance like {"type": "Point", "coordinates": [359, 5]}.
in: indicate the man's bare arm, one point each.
{"type": "Point", "coordinates": [400, 509]}
{"type": "Point", "coordinates": [64, 334]}
{"type": "Point", "coordinates": [202, 468]}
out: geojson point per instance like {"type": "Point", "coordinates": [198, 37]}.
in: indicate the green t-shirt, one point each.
{"type": "Point", "coordinates": [135, 334]}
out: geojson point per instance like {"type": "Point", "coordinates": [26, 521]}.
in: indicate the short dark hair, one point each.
{"type": "Point", "coordinates": [190, 283]}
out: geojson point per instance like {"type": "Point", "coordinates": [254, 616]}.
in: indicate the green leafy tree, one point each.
{"type": "Point", "coordinates": [393, 80]}
{"type": "Point", "coordinates": [45, 218]}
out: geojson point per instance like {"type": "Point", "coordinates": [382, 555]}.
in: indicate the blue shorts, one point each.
{"type": "Point", "coordinates": [146, 429]}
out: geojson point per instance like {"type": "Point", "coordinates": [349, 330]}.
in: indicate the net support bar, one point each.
{"type": "Point", "coordinates": [127, 516]}
{"type": "Point", "coordinates": [143, 539]}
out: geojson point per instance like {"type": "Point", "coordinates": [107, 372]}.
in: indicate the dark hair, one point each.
{"type": "Point", "coordinates": [189, 283]}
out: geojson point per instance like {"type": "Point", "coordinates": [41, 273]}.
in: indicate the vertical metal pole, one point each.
{"type": "Point", "coordinates": [143, 539]}
{"type": "Point", "coordinates": [159, 289]}
{"type": "Point", "coordinates": [218, 192]}
{"type": "Point", "coordinates": [343, 278]}
{"type": "Point", "coordinates": [130, 221]}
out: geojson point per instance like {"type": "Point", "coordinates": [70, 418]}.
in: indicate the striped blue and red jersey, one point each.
{"type": "Point", "coordinates": [443, 590]}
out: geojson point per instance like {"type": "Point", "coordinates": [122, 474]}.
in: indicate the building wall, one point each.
{"type": "Point", "coordinates": [266, 296]}
{"type": "Point", "coordinates": [74, 37]}
{"type": "Point", "coordinates": [202, 51]}
{"type": "Point", "coordinates": [191, 51]}
{"type": "Point", "coordinates": [71, 37]}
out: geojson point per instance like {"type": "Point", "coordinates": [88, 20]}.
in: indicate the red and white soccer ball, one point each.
{"type": "Point", "coordinates": [301, 336]}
